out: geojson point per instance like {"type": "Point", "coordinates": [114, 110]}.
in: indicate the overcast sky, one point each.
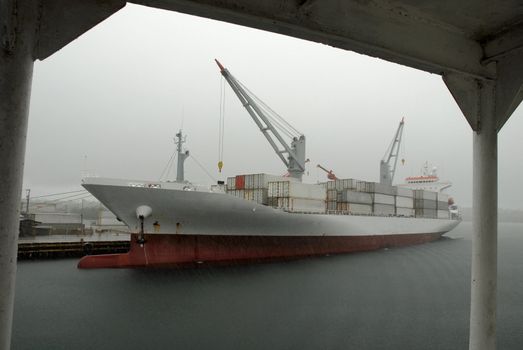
{"type": "Point", "coordinates": [110, 103]}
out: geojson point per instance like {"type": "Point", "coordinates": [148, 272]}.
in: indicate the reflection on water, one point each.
{"type": "Point", "coordinates": [408, 298]}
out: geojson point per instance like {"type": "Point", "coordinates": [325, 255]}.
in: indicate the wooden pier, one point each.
{"type": "Point", "coordinates": [56, 250]}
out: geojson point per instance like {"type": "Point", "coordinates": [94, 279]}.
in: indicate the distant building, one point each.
{"type": "Point", "coordinates": [37, 224]}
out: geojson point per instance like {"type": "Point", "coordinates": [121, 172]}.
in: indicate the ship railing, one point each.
{"type": "Point", "coordinates": [342, 212]}
{"type": "Point", "coordinates": [300, 211]}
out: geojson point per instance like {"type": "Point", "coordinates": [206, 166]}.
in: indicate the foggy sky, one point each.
{"type": "Point", "coordinates": [110, 103]}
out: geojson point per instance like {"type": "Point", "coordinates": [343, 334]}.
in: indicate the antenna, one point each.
{"type": "Point", "coordinates": [183, 117]}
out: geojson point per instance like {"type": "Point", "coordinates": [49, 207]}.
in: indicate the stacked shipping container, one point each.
{"type": "Point", "coordinates": [404, 202]}
{"type": "Point", "coordinates": [297, 196]}
{"type": "Point", "coordinates": [342, 196]}
{"type": "Point", "coordinates": [425, 204]}
{"type": "Point", "coordinates": [345, 196]}
{"type": "Point", "coordinates": [252, 187]}
{"type": "Point", "coordinates": [383, 202]}
{"type": "Point", "coordinates": [443, 206]}
{"type": "Point", "coordinates": [354, 202]}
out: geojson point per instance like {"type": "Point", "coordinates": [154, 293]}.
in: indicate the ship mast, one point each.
{"type": "Point", "coordinates": [180, 140]}
{"type": "Point", "coordinates": [271, 124]}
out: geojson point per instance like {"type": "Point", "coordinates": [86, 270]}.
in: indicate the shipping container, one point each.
{"type": "Point", "coordinates": [426, 213]}
{"type": "Point", "coordinates": [425, 204]}
{"type": "Point", "coordinates": [231, 183]}
{"type": "Point", "coordinates": [376, 187]}
{"type": "Point", "coordinates": [248, 181]}
{"type": "Point", "coordinates": [422, 194]}
{"type": "Point", "coordinates": [383, 209]}
{"type": "Point", "coordinates": [404, 192]}
{"type": "Point", "coordinates": [443, 214]}
{"type": "Point", "coordinates": [355, 208]}
{"type": "Point", "coordinates": [361, 186]}
{"type": "Point", "coordinates": [331, 205]}
{"type": "Point", "coordinates": [443, 205]}
{"type": "Point", "coordinates": [404, 202]}
{"type": "Point", "coordinates": [258, 195]}
{"type": "Point", "coordinates": [342, 206]}
{"type": "Point", "coordinates": [235, 193]}
{"type": "Point", "coordinates": [276, 189]}
{"type": "Point", "coordinates": [254, 181]}
{"type": "Point", "coordinates": [408, 212]}
{"type": "Point", "coordinates": [248, 194]}
{"type": "Point", "coordinates": [239, 182]}
{"type": "Point", "coordinates": [350, 196]}
{"type": "Point", "coordinates": [332, 195]}
{"type": "Point", "coordinates": [383, 199]}
{"type": "Point", "coordinates": [343, 184]}
{"type": "Point", "coordinates": [297, 190]}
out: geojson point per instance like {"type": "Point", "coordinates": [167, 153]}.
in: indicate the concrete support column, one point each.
{"type": "Point", "coordinates": [487, 105]}
{"type": "Point", "coordinates": [485, 208]}
{"type": "Point", "coordinates": [17, 31]}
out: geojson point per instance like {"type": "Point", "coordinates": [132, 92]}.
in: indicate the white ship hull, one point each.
{"type": "Point", "coordinates": [204, 212]}
{"type": "Point", "coordinates": [182, 210]}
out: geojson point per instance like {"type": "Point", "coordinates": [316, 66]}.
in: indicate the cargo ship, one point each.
{"type": "Point", "coordinates": [259, 217]}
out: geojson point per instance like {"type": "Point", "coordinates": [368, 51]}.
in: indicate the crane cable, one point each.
{"type": "Point", "coordinates": [193, 158]}
{"type": "Point", "coordinates": [56, 194]}
{"type": "Point", "coordinates": [278, 121]}
{"type": "Point", "coordinates": [57, 200]}
{"type": "Point", "coordinates": [168, 167]}
{"type": "Point", "coordinates": [401, 151]}
{"type": "Point", "coordinates": [221, 128]}
{"type": "Point", "coordinates": [171, 165]}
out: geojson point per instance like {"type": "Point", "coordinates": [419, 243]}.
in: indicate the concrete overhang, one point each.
{"type": "Point", "coordinates": [467, 42]}
{"type": "Point", "coordinates": [436, 36]}
{"type": "Point", "coordinates": [443, 36]}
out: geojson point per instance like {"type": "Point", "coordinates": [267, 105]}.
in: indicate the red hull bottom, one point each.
{"type": "Point", "coordinates": [184, 250]}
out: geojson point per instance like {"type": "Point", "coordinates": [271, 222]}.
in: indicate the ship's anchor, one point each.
{"type": "Point", "coordinates": [142, 212]}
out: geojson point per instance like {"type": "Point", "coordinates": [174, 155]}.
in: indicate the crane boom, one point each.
{"type": "Point", "coordinates": [269, 122]}
{"type": "Point", "coordinates": [330, 174]}
{"type": "Point", "coordinates": [390, 160]}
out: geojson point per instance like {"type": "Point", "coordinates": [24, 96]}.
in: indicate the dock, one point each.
{"type": "Point", "coordinates": [56, 250]}
{"type": "Point", "coordinates": [72, 246]}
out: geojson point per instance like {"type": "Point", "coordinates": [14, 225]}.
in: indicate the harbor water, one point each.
{"type": "Point", "coordinates": [406, 298]}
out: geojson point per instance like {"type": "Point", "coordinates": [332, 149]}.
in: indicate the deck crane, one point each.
{"type": "Point", "coordinates": [271, 124]}
{"type": "Point", "coordinates": [389, 161]}
{"type": "Point", "coordinates": [330, 174]}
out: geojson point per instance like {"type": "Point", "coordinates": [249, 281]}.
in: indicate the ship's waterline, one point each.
{"type": "Point", "coordinates": [185, 250]}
